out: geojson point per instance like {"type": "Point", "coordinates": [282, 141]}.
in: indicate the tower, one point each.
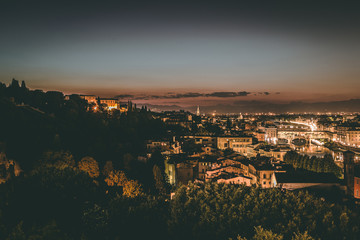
{"type": "Point", "coordinates": [198, 111]}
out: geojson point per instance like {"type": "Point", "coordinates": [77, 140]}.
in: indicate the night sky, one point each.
{"type": "Point", "coordinates": [278, 51]}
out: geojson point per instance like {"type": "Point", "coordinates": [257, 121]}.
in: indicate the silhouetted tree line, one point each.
{"type": "Point", "coordinates": [315, 164]}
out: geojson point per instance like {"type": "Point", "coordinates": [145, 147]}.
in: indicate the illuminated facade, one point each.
{"type": "Point", "coordinates": [89, 98]}
{"type": "Point", "coordinates": [237, 144]}
{"type": "Point", "coordinates": [352, 138]}
{"type": "Point", "coordinates": [271, 135]}
{"type": "Point", "coordinates": [266, 178]}
{"type": "Point", "coordinates": [111, 103]}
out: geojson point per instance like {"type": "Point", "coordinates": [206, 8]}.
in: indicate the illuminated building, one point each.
{"type": "Point", "coordinates": [111, 103]}
{"type": "Point", "coordinates": [271, 134]}
{"type": "Point", "coordinates": [352, 137]}
{"type": "Point", "coordinates": [237, 144]}
{"type": "Point", "coordinates": [260, 136]}
{"type": "Point", "coordinates": [89, 98]}
{"type": "Point", "coordinates": [266, 177]}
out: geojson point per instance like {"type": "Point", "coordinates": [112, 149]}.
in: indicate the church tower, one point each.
{"type": "Point", "coordinates": [198, 111]}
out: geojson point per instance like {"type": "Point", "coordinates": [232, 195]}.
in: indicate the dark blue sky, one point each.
{"type": "Point", "coordinates": [302, 50]}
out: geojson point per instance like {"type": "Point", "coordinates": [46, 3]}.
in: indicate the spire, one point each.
{"type": "Point", "coordinates": [198, 111]}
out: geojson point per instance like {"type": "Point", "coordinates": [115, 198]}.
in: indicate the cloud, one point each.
{"type": "Point", "coordinates": [228, 94]}
{"type": "Point", "coordinates": [187, 95]}
{"type": "Point", "coordinates": [124, 96]}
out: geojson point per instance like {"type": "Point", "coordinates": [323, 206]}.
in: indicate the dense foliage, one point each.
{"type": "Point", "coordinates": [314, 164]}
{"type": "Point", "coordinates": [216, 211]}
{"type": "Point", "coordinates": [68, 204]}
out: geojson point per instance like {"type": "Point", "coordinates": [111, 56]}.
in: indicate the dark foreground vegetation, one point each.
{"type": "Point", "coordinates": [68, 204]}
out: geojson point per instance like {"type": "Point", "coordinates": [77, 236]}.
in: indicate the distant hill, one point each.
{"type": "Point", "coordinates": [352, 105]}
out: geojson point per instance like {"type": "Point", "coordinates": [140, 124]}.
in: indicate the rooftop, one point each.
{"type": "Point", "coordinates": [305, 177]}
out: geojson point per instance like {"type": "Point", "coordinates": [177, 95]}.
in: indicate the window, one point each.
{"type": "Point", "coordinates": [264, 176]}
{"type": "Point", "coordinates": [264, 183]}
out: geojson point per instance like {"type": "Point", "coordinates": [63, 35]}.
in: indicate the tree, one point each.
{"type": "Point", "coordinates": [90, 166]}
{"type": "Point", "coordinates": [17, 233]}
{"type": "Point", "coordinates": [57, 159]}
{"type": "Point", "coordinates": [23, 85]}
{"type": "Point", "coordinates": [108, 168]}
{"type": "Point", "coordinates": [159, 179]}
{"type": "Point", "coordinates": [14, 84]}
{"type": "Point", "coordinates": [130, 188]}
{"type": "Point", "coordinates": [157, 159]}
{"type": "Point", "coordinates": [116, 178]}
{"type": "Point", "coordinates": [262, 234]}
{"type": "Point", "coordinates": [128, 160]}
{"type": "Point", "coordinates": [302, 236]}
{"type": "Point", "coordinates": [219, 211]}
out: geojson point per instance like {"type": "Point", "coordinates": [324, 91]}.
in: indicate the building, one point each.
{"type": "Point", "coordinates": [203, 166]}
{"type": "Point", "coordinates": [237, 144]}
{"type": "Point", "coordinates": [170, 171]}
{"type": "Point", "coordinates": [271, 134]}
{"type": "Point", "coordinates": [260, 136]}
{"type": "Point", "coordinates": [228, 178]}
{"type": "Point", "coordinates": [352, 138]}
{"type": "Point", "coordinates": [157, 145]}
{"type": "Point", "coordinates": [185, 172]}
{"type": "Point", "coordinates": [110, 103]}
{"type": "Point", "coordinates": [89, 98]}
{"type": "Point", "coordinates": [266, 176]}
{"type": "Point", "coordinates": [181, 118]}
{"type": "Point", "coordinates": [203, 140]}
